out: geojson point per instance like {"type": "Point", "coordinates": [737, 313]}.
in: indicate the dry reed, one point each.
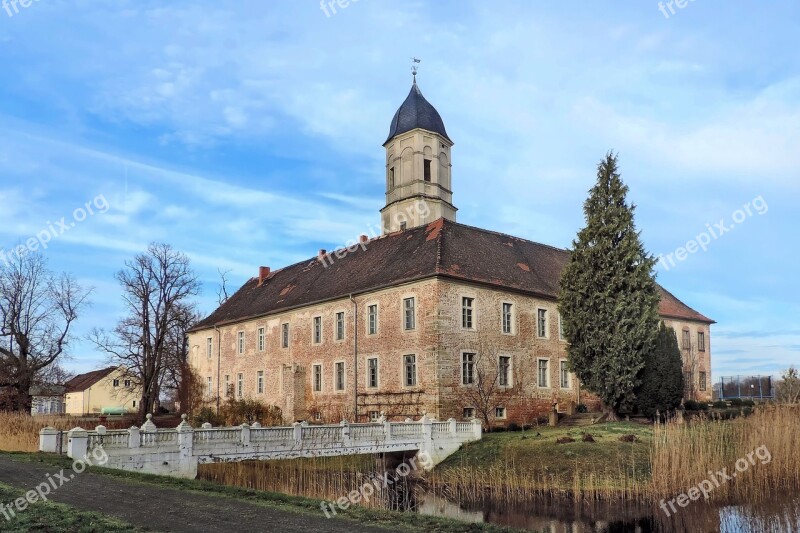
{"type": "Point", "coordinates": [19, 432]}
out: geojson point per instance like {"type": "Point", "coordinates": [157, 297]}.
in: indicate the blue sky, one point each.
{"type": "Point", "coordinates": [249, 133]}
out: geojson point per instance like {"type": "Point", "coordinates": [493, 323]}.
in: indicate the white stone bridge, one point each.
{"type": "Point", "coordinates": [177, 452]}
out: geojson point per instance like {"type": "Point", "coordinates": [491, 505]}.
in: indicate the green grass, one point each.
{"type": "Point", "coordinates": [55, 517]}
{"type": "Point", "coordinates": [394, 521]}
{"type": "Point", "coordinates": [536, 451]}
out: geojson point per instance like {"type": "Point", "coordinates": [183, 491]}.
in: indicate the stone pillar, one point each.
{"type": "Point", "coordinates": [245, 434]}
{"type": "Point", "coordinates": [48, 440]}
{"type": "Point", "coordinates": [207, 425]}
{"type": "Point", "coordinates": [78, 443]}
{"type": "Point", "coordinates": [134, 437]}
{"type": "Point", "coordinates": [346, 434]}
{"type": "Point", "coordinates": [477, 429]}
{"type": "Point", "coordinates": [298, 432]}
{"type": "Point", "coordinates": [553, 418]}
{"type": "Point", "coordinates": [186, 458]}
{"type": "Point", "coordinates": [148, 426]}
{"type": "Point", "coordinates": [453, 426]}
{"type": "Point", "coordinates": [427, 430]}
{"type": "Point", "coordinates": [387, 429]}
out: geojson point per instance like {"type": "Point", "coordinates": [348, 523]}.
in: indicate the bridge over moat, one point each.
{"type": "Point", "coordinates": [177, 452]}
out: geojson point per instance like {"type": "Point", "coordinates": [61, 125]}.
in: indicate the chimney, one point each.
{"type": "Point", "coordinates": [362, 239]}
{"type": "Point", "coordinates": [322, 252]}
{"type": "Point", "coordinates": [263, 274]}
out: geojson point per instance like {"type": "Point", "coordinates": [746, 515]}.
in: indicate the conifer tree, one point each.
{"type": "Point", "coordinates": [661, 389]}
{"type": "Point", "coordinates": [609, 298]}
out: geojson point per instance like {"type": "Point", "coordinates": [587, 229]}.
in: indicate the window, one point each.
{"type": "Point", "coordinates": [508, 317]}
{"type": "Point", "coordinates": [701, 341]}
{"type": "Point", "coordinates": [372, 319]}
{"type": "Point", "coordinates": [127, 383]}
{"type": "Point", "coordinates": [339, 326]}
{"type": "Point", "coordinates": [702, 378]}
{"type": "Point", "coordinates": [410, 370]}
{"type": "Point", "coordinates": [467, 368]}
{"type": "Point", "coordinates": [228, 386]}
{"type": "Point", "coordinates": [209, 344]}
{"type": "Point", "coordinates": [134, 403]}
{"type": "Point", "coordinates": [466, 312]}
{"type": "Point", "coordinates": [240, 385]}
{"type": "Point", "coordinates": [403, 226]}
{"type": "Point", "coordinates": [317, 329]}
{"type": "Point", "coordinates": [427, 169]}
{"type": "Point", "coordinates": [285, 335]}
{"type": "Point", "coordinates": [115, 383]}
{"type": "Point", "coordinates": [374, 416]}
{"type": "Point", "coordinates": [240, 343]}
{"type": "Point", "coordinates": [372, 372]}
{"type": "Point", "coordinates": [544, 374]}
{"type": "Point", "coordinates": [504, 371]}
{"type": "Point", "coordinates": [317, 376]}
{"type": "Point", "coordinates": [564, 373]}
{"type": "Point", "coordinates": [260, 382]}
{"type": "Point", "coordinates": [261, 337]}
{"type": "Point", "coordinates": [500, 412]}
{"type": "Point", "coordinates": [687, 340]}
{"type": "Point", "coordinates": [391, 177]}
{"type": "Point", "coordinates": [339, 376]}
{"type": "Point", "coordinates": [541, 323]}
{"type": "Point", "coordinates": [469, 412]}
{"type": "Point", "coordinates": [209, 389]}
{"type": "Point", "coordinates": [317, 416]}
{"type": "Point", "coordinates": [408, 314]}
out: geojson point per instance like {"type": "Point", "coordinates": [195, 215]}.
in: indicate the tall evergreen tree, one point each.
{"type": "Point", "coordinates": [661, 389]}
{"type": "Point", "coordinates": [609, 298]}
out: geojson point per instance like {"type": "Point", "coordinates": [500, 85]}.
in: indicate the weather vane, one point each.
{"type": "Point", "coordinates": [414, 64]}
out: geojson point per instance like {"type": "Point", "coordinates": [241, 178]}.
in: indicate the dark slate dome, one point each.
{"type": "Point", "coordinates": [416, 112]}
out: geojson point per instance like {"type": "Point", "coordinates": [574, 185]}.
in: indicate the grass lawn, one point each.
{"type": "Point", "coordinates": [536, 452]}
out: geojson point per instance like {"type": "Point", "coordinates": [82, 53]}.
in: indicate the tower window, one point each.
{"type": "Point", "coordinates": [391, 177]}
{"type": "Point", "coordinates": [427, 170]}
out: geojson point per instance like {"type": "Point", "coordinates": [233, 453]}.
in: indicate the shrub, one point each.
{"type": "Point", "coordinates": [719, 404]}
{"type": "Point", "coordinates": [661, 387]}
{"type": "Point", "coordinates": [564, 440]}
{"type": "Point", "coordinates": [513, 426]}
{"type": "Point", "coordinates": [692, 405]}
{"type": "Point", "coordinates": [748, 403]}
{"type": "Point", "coordinates": [581, 408]}
{"type": "Point", "coordinates": [736, 402]}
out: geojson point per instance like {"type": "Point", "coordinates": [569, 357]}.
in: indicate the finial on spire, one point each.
{"type": "Point", "coordinates": [414, 64]}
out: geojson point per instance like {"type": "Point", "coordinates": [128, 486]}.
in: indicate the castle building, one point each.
{"type": "Point", "coordinates": [417, 320]}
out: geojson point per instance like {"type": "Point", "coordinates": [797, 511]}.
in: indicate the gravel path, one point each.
{"type": "Point", "coordinates": [168, 509]}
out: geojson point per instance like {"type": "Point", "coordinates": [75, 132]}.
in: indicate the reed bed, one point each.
{"type": "Point", "coordinates": [19, 432]}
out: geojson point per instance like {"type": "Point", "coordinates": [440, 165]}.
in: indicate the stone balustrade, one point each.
{"type": "Point", "coordinates": [178, 451]}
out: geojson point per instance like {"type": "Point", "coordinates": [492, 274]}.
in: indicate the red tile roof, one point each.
{"type": "Point", "coordinates": [82, 382]}
{"type": "Point", "coordinates": [442, 248]}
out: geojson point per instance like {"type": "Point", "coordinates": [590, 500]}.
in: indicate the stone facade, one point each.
{"type": "Point", "coordinates": [437, 343]}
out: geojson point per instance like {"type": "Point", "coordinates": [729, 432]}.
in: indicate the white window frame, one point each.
{"type": "Point", "coordinates": [241, 342]}
{"type": "Point", "coordinates": [701, 345]}
{"type": "Point", "coordinates": [404, 375]}
{"type": "Point", "coordinates": [209, 347]}
{"type": "Point", "coordinates": [285, 333]}
{"type": "Point", "coordinates": [316, 321]}
{"type": "Point", "coordinates": [260, 382]}
{"type": "Point", "coordinates": [336, 376]}
{"type": "Point", "coordinates": [377, 372]}
{"type": "Point", "coordinates": [210, 387]}
{"type": "Point", "coordinates": [370, 331]}
{"type": "Point", "coordinates": [509, 373]}
{"type": "Point", "coordinates": [403, 314]}
{"type": "Point", "coordinates": [539, 375]}
{"type": "Point", "coordinates": [336, 323]}
{"type": "Point", "coordinates": [314, 368]}
{"type": "Point", "coordinates": [462, 368]}
{"type": "Point", "coordinates": [546, 323]}
{"type": "Point", "coordinates": [503, 416]}
{"type": "Point", "coordinates": [512, 326]}
{"type": "Point", "coordinates": [240, 385]}
{"type": "Point", "coordinates": [464, 413]}
{"type": "Point", "coordinates": [560, 373]}
{"type": "Point", "coordinates": [468, 311]}
{"type": "Point", "coordinates": [261, 337]}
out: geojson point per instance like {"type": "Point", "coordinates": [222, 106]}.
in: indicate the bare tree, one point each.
{"type": "Point", "coordinates": [222, 292]}
{"type": "Point", "coordinates": [488, 381]}
{"type": "Point", "coordinates": [156, 288]}
{"type": "Point", "coordinates": [37, 311]}
{"type": "Point", "coordinates": [789, 387]}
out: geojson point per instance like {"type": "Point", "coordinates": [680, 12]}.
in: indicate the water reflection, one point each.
{"type": "Point", "coordinates": [557, 516]}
